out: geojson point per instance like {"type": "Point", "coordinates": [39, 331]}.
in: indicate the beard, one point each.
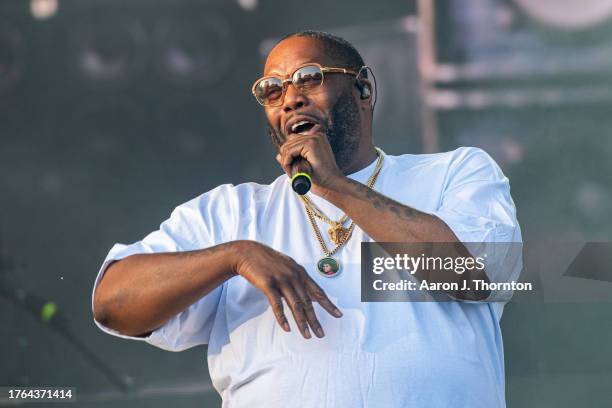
{"type": "Point", "coordinates": [342, 130]}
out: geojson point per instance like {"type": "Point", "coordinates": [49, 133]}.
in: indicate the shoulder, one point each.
{"type": "Point", "coordinates": [214, 216]}
{"type": "Point", "coordinates": [459, 161]}
{"type": "Point", "coordinates": [473, 157]}
{"type": "Point", "coordinates": [228, 197]}
{"type": "Point", "coordinates": [452, 157]}
{"type": "Point", "coordinates": [475, 164]}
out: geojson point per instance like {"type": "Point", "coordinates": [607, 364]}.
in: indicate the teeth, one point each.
{"type": "Point", "coordinates": [300, 123]}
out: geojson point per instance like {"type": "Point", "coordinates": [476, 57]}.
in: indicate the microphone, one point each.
{"type": "Point", "coordinates": [300, 179]}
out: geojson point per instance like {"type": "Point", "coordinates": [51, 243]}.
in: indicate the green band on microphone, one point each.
{"type": "Point", "coordinates": [296, 175]}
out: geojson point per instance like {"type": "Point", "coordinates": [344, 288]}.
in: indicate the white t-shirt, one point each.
{"type": "Point", "coordinates": [410, 354]}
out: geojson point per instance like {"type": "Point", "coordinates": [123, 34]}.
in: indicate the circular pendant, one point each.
{"type": "Point", "coordinates": [328, 267]}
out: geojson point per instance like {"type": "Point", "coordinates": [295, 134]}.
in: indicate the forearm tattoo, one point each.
{"type": "Point", "coordinates": [381, 202]}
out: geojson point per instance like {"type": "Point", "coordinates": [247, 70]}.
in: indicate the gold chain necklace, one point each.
{"type": "Point", "coordinates": [328, 266]}
{"type": "Point", "coordinates": [337, 232]}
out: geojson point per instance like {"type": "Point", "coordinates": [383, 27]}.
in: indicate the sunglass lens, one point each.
{"type": "Point", "coordinates": [269, 90]}
{"type": "Point", "coordinates": [308, 77]}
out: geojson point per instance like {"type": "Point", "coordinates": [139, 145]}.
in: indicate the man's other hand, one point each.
{"type": "Point", "coordinates": [278, 276]}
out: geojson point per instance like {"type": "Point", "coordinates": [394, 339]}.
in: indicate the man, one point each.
{"type": "Point", "coordinates": [229, 267]}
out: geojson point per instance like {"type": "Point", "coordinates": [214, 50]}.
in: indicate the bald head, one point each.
{"type": "Point", "coordinates": [337, 106]}
{"type": "Point", "coordinates": [343, 53]}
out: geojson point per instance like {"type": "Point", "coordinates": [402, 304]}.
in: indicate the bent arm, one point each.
{"type": "Point", "coordinates": [387, 220]}
{"type": "Point", "coordinates": [141, 292]}
{"type": "Point", "coordinates": [384, 219]}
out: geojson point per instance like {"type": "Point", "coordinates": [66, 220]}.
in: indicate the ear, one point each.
{"type": "Point", "coordinates": [364, 94]}
{"type": "Point", "coordinates": [367, 82]}
{"type": "Point", "coordinates": [365, 88]}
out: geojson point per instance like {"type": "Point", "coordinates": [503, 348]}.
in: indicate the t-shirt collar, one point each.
{"type": "Point", "coordinates": [364, 174]}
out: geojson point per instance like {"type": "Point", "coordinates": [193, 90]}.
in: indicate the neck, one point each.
{"type": "Point", "coordinates": [364, 157]}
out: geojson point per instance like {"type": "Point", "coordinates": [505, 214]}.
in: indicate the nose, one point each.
{"type": "Point", "coordinates": [294, 99]}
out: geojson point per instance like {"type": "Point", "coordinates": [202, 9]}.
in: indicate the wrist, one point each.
{"type": "Point", "coordinates": [234, 255]}
{"type": "Point", "coordinates": [335, 189]}
{"type": "Point", "coordinates": [239, 250]}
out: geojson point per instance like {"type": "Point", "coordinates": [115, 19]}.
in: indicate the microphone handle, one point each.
{"type": "Point", "coordinates": [301, 181]}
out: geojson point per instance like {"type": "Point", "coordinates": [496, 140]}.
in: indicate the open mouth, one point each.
{"type": "Point", "coordinates": [304, 127]}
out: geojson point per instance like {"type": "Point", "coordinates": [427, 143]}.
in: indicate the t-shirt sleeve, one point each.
{"type": "Point", "coordinates": [477, 206]}
{"type": "Point", "coordinates": [197, 224]}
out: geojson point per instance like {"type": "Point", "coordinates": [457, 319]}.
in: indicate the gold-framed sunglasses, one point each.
{"type": "Point", "coordinates": [270, 90]}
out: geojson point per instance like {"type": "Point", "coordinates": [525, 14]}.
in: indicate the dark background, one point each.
{"type": "Point", "coordinates": [114, 112]}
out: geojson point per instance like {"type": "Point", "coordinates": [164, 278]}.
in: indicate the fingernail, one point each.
{"type": "Point", "coordinates": [307, 333]}
{"type": "Point", "coordinates": [337, 312]}
{"type": "Point", "coordinates": [286, 326]}
{"type": "Point", "coordinates": [320, 332]}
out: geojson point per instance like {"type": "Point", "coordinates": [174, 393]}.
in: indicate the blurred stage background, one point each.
{"type": "Point", "coordinates": [114, 112]}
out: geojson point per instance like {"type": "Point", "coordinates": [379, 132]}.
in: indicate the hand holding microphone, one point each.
{"type": "Point", "coordinates": [301, 181]}
{"type": "Point", "coordinates": [309, 162]}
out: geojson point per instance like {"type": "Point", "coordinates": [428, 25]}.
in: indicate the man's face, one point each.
{"type": "Point", "coordinates": [333, 105]}
{"type": "Point", "coordinates": [327, 268]}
